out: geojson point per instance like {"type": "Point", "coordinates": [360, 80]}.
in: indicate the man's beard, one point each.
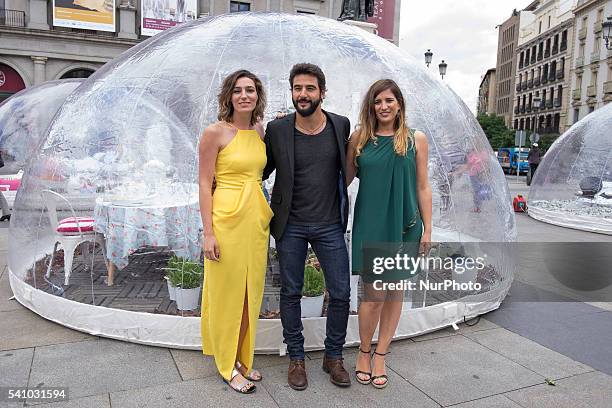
{"type": "Point", "coordinates": [314, 104]}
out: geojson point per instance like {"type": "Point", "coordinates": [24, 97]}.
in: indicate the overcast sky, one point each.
{"type": "Point", "coordinates": [460, 32]}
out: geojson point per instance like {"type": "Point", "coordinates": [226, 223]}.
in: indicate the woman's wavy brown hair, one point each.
{"type": "Point", "coordinates": [402, 140]}
{"type": "Point", "coordinates": [226, 108]}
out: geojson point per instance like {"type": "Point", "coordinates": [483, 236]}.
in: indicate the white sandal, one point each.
{"type": "Point", "coordinates": [245, 387]}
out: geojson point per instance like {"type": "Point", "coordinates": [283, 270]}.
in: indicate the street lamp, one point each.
{"type": "Point", "coordinates": [428, 56]}
{"type": "Point", "coordinates": [607, 32]}
{"type": "Point", "coordinates": [442, 68]}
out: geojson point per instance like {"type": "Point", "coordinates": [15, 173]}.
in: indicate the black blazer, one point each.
{"type": "Point", "coordinates": [280, 150]}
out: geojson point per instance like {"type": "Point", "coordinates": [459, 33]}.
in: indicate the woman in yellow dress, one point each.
{"type": "Point", "coordinates": [236, 220]}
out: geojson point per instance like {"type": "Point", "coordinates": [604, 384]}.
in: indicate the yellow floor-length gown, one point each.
{"type": "Point", "coordinates": [240, 221]}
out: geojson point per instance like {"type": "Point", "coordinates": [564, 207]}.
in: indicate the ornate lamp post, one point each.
{"type": "Point", "coordinates": [442, 66]}
{"type": "Point", "coordinates": [537, 103]}
{"type": "Point", "coordinates": [607, 32]}
{"type": "Point", "coordinates": [428, 56]}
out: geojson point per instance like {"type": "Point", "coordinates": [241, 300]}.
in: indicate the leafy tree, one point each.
{"type": "Point", "coordinates": [496, 131]}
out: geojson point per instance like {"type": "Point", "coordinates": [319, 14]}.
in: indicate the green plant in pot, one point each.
{"type": "Point", "coordinates": [186, 277]}
{"type": "Point", "coordinates": [171, 277]}
{"type": "Point", "coordinates": [314, 282]}
{"type": "Point", "coordinates": [313, 291]}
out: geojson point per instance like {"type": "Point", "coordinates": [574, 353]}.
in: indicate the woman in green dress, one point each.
{"type": "Point", "coordinates": [392, 213]}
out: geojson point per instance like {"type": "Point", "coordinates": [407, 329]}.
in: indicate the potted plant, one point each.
{"type": "Point", "coordinates": [186, 278]}
{"type": "Point", "coordinates": [173, 280]}
{"type": "Point", "coordinates": [313, 291]}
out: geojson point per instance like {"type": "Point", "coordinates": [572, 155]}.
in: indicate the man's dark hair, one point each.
{"type": "Point", "coordinates": [308, 69]}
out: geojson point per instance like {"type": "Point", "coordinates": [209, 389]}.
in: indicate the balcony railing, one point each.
{"type": "Point", "coordinates": [543, 106]}
{"type": "Point", "coordinates": [594, 57]}
{"type": "Point", "coordinates": [530, 83]}
{"type": "Point", "coordinates": [563, 46]}
{"type": "Point", "coordinates": [579, 62]}
{"type": "Point", "coordinates": [518, 86]}
{"type": "Point", "coordinates": [528, 108]}
{"type": "Point", "coordinates": [537, 81]}
{"type": "Point", "coordinates": [540, 56]}
{"type": "Point", "coordinates": [549, 103]}
{"type": "Point", "coordinates": [523, 109]}
{"type": "Point", "coordinates": [576, 94]}
{"type": "Point", "coordinates": [582, 33]}
{"type": "Point", "coordinates": [545, 78]}
{"type": "Point", "coordinates": [12, 18]}
{"type": "Point", "coordinates": [555, 49]}
{"type": "Point", "coordinates": [607, 87]}
{"type": "Point", "coordinates": [547, 53]}
{"type": "Point", "coordinates": [548, 129]}
{"type": "Point", "coordinates": [591, 91]}
{"type": "Point", "coordinates": [560, 74]}
{"type": "Point", "coordinates": [516, 109]}
{"type": "Point", "coordinates": [558, 102]}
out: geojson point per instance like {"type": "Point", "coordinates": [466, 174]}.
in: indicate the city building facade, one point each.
{"type": "Point", "coordinates": [543, 71]}
{"type": "Point", "coordinates": [506, 66]}
{"type": "Point", "coordinates": [42, 40]}
{"type": "Point", "coordinates": [486, 93]}
{"type": "Point", "coordinates": [591, 75]}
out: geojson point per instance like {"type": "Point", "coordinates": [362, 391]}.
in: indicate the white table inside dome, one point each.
{"type": "Point", "coordinates": [169, 218]}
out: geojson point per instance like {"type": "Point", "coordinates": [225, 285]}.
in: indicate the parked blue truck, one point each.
{"type": "Point", "coordinates": [512, 157]}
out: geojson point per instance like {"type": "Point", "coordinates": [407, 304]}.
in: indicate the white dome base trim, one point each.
{"type": "Point", "coordinates": [184, 332]}
{"type": "Point", "coordinates": [590, 224]}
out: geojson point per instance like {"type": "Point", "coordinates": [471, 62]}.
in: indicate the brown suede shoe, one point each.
{"type": "Point", "coordinates": [337, 374]}
{"type": "Point", "coordinates": [296, 375]}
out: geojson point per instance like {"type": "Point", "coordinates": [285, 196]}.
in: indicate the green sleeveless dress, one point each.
{"type": "Point", "coordinates": [386, 219]}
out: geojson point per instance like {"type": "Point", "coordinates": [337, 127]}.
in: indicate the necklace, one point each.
{"type": "Point", "coordinates": [314, 131]}
{"type": "Point", "coordinates": [234, 126]}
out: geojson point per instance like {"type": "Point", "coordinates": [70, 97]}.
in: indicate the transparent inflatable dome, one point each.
{"type": "Point", "coordinates": [122, 154]}
{"type": "Point", "coordinates": [25, 116]}
{"type": "Point", "coordinates": [573, 184]}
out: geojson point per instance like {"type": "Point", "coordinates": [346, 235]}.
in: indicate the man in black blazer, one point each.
{"type": "Point", "coordinates": [310, 204]}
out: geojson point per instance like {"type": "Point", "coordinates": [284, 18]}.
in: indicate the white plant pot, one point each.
{"type": "Point", "coordinates": [312, 306]}
{"type": "Point", "coordinates": [171, 290]}
{"type": "Point", "coordinates": [187, 299]}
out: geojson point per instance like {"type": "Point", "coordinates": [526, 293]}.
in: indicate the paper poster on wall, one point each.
{"type": "Point", "coordinates": [85, 14]}
{"type": "Point", "coordinates": [159, 15]}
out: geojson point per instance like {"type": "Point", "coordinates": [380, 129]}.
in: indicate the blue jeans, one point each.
{"type": "Point", "coordinates": [327, 241]}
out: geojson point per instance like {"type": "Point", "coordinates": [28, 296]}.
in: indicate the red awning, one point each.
{"type": "Point", "coordinates": [10, 80]}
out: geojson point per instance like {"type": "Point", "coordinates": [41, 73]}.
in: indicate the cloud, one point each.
{"type": "Point", "coordinates": [461, 33]}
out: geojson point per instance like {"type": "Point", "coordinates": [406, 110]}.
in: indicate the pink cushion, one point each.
{"type": "Point", "coordinates": [13, 184]}
{"type": "Point", "coordinates": [68, 226]}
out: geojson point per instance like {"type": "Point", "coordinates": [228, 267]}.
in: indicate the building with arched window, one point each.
{"type": "Point", "coordinates": [42, 40]}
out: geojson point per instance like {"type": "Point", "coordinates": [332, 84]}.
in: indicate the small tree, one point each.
{"type": "Point", "coordinates": [496, 131]}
